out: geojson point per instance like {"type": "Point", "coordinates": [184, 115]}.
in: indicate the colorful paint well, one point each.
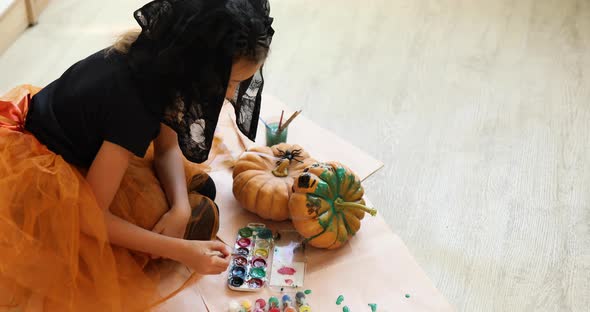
{"type": "Point", "coordinates": [244, 242]}
{"type": "Point", "coordinates": [243, 251]}
{"type": "Point", "coordinates": [255, 283]}
{"type": "Point", "coordinates": [264, 244]}
{"type": "Point", "coordinates": [236, 281]}
{"type": "Point", "coordinates": [245, 232]}
{"type": "Point", "coordinates": [258, 273]}
{"type": "Point", "coordinates": [259, 263]}
{"type": "Point", "coordinates": [240, 261]}
{"type": "Point", "coordinates": [264, 234]}
{"type": "Point", "coordinates": [263, 253]}
{"type": "Point", "coordinates": [238, 271]}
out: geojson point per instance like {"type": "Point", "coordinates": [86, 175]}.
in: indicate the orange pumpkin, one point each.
{"type": "Point", "coordinates": [327, 204]}
{"type": "Point", "coordinates": [263, 177]}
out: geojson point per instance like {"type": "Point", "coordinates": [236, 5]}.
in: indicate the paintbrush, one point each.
{"type": "Point", "coordinates": [286, 124]}
{"type": "Point", "coordinates": [220, 254]}
{"type": "Point", "coordinates": [281, 120]}
{"type": "Point", "coordinates": [217, 253]}
{"type": "Point", "coordinates": [264, 122]}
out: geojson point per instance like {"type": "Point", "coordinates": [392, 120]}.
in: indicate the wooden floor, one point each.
{"type": "Point", "coordinates": [479, 109]}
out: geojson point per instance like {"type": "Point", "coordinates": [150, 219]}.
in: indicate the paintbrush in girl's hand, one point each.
{"type": "Point", "coordinates": [221, 255]}
{"type": "Point", "coordinates": [286, 124]}
{"type": "Point", "coordinates": [216, 254]}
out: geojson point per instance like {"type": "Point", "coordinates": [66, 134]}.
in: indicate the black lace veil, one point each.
{"type": "Point", "coordinates": [183, 60]}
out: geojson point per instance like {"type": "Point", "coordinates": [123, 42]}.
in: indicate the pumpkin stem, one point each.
{"type": "Point", "coordinates": [282, 170]}
{"type": "Point", "coordinates": [340, 203]}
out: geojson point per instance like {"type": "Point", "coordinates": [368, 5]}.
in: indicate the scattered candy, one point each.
{"type": "Point", "coordinates": [300, 298]}
{"type": "Point", "coordinates": [304, 308]}
{"type": "Point", "coordinates": [234, 306]}
{"type": "Point", "coordinates": [289, 309]}
{"type": "Point", "coordinates": [407, 295]}
{"type": "Point", "coordinates": [287, 301]}
{"type": "Point", "coordinates": [339, 300]}
{"type": "Point", "coordinates": [274, 310]}
{"type": "Point", "coordinates": [273, 302]}
{"type": "Point", "coordinates": [345, 309]}
{"type": "Point", "coordinates": [247, 306]}
{"type": "Point", "coordinates": [373, 307]}
{"type": "Point", "coordinates": [307, 291]}
{"type": "Point", "coordinates": [260, 303]}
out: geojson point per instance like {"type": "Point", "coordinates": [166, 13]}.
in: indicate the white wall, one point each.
{"type": "Point", "coordinates": [4, 4]}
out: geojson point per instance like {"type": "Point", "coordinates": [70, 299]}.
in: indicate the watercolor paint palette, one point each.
{"type": "Point", "coordinates": [248, 270]}
{"type": "Point", "coordinates": [288, 261]}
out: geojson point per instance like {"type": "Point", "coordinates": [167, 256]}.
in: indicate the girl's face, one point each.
{"type": "Point", "coordinates": [240, 71]}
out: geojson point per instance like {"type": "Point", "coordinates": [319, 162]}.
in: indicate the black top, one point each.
{"type": "Point", "coordinates": [95, 100]}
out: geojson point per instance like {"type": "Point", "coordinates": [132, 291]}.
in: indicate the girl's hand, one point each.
{"type": "Point", "coordinates": [205, 257]}
{"type": "Point", "coordinates": [173, 223]}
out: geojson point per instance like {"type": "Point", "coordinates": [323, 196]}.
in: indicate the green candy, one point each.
{"type": "Point", "coordinates": [373, 307]}
{"type": "Point", "coordinates": [345, 309]}
{"type": "Point", "coordinates": [273, 302]}
{"type": "Point", "coordinates": [339, 300]}
{"type": "Point", "coordinates": [307, 292]}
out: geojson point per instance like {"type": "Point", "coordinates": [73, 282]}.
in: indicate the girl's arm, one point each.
{"type": "Point", "coordinates": [104, 177]}
{"type": "Point", "coordinates": [168, 161]}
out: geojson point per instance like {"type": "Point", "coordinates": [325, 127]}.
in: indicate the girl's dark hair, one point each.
{"type": "Point", "coordinates": [252, 41]}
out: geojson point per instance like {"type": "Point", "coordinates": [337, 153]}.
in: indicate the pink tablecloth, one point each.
{"type": "Point", "coordinates": [375, 267]}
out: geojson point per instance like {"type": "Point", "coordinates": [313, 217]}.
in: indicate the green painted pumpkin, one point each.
{"type": "Point", "coordinates": [327, 204]}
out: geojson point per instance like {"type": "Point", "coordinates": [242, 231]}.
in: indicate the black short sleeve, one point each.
{"type": "Point", "coordinates": [129, 127]}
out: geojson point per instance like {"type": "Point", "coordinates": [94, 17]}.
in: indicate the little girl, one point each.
{"type": "Point", "coordinates": [85, 200]}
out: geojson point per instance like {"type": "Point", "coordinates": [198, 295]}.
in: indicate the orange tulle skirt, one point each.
{"type": "Point", "coordinates": [43, 201]}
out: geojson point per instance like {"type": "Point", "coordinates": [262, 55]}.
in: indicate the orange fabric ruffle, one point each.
{"type": "Point", "coordinates": [43, 202]}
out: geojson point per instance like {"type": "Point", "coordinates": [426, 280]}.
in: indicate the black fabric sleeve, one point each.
{"type": "Point", "coordinates": [128, 125]}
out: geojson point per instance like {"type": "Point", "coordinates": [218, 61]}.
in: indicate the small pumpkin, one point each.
{"type": "Point", "coordinates": [263, 178]}
{"type": "Point", "coordinates": [327, 204]}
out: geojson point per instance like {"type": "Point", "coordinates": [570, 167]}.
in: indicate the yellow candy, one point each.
{"type": "Point", "coordinates": [246, 305]}
{"type": "Point", "coordinates": [305, 308]}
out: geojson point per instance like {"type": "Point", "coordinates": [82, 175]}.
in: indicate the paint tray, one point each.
{"type": "Point", "coordinates": [248, 270]}
{"type": "Point", "coordinates": [287, 271]}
